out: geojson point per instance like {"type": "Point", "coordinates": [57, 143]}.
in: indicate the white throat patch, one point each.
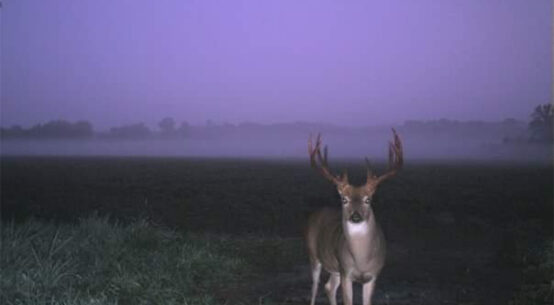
{"type": "Point", "coordinates": [357, 228]}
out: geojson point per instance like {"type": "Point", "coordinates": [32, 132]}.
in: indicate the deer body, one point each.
{"type": "Point", "coordinates": [354, 249]}
{"type": "Point", "coordinates": [349, 244]}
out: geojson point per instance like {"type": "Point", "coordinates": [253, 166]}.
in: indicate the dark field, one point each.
{"type": "Point", "coordinates": [458, 233]}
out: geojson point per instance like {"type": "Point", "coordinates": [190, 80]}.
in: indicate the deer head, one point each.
{"type": "Point", "coordinates": [356, 200]}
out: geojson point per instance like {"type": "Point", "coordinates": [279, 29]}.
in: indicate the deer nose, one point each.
{"type": "Point", "coordinates": [356, 217]}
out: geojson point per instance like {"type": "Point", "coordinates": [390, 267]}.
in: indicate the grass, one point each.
{"type": "Point", "coordinates": [538, 277]}
{"type": "Point", "coordinates": [103, 262]}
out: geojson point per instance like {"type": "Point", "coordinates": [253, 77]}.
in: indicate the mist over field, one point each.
{"type": "Point", "coordinates": [472, 141]}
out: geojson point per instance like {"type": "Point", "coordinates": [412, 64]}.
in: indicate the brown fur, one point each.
{"type": "Point", "coordinates": [349, 244]}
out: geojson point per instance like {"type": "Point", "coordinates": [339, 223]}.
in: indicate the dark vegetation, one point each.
{"type": "Point", "coordinates": [98, 261]}
{"type": "Point", "coordinates": [458, 233]}
{"type": "Point", "coordinates": [57, 129]}
{"type": "Point", "coordinates": [541, 125]}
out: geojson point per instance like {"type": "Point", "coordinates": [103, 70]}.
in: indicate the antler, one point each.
{"type": "Point", "coordinates": [396, 160]}
{"type": "Point", "coordinates": [322, 167]}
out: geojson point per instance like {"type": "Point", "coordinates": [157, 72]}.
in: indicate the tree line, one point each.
{"type": "Point", "coordinates": [538, 130]}
{"type": "Point", "coordinates": [61, 129]}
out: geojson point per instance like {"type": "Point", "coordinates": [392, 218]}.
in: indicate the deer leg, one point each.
{"type": "Point", "coordinates": [346, 285]}
{"type": "Point", "coordinates": [331, 287]}
{"type": "Point", "coordinates": [316, 271]}
{"type": "Point", "coordinates": [368, 292]}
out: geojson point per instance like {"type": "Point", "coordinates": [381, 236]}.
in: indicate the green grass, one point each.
{"type": "Point", "coordinates": [100, 262]}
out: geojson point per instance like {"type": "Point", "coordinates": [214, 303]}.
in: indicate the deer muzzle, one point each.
{"type": "Point", "coordinates": [356, 217]}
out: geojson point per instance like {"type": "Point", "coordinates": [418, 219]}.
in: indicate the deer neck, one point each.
{"type": "Point", "coordinates": [360, 238]}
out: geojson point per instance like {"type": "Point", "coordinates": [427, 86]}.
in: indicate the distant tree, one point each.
{"type": "Point", "coordinates": [413, 124]}
{"type": "Point", "coordinates": [133, 131]}
{"type": "Point", "coordinates": [184, 128]}
{"type": "Point", "coordinates": [509, 122]}
{"type": "Point", "coordinates": [84, 128]}
{"type": "Point", "coordinates": [167, 125]}
{"type": "Point", "coordinates": [541, 124]}
{"type": "Point", "coordinates": [63, 129]}
{"type": "Point", "coordinates": [52, 129]}
{"type": "Point", "coordinates": [14, 131]}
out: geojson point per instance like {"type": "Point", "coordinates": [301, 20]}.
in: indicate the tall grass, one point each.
{"type": "Point", "coordinates": [101, 262]}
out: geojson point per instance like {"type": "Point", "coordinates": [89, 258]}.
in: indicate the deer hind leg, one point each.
{"type": "Point", "coordinates": [331, 287]}
{"type": "Point", "coordinates": [316, 271]}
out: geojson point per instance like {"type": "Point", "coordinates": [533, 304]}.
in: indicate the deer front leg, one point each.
{"type": "Point", "coordinates": [346, 284]}
{"type": "Point", "coordinates": [331, 287]}
{"type": "Point", "coordinates": [368, 291]}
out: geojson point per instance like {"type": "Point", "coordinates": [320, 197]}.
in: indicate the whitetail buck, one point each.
{"type": "Point", "coordinates": [349, 244]}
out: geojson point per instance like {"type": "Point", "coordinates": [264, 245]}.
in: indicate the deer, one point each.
{"type": "Point", "coordinates": [349, 244]}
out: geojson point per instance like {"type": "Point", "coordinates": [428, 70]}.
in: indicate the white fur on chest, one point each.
{"type": "Point", "coordinates": [357, 228]}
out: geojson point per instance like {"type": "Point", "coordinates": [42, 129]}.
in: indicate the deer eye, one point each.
{"type": "Point", "coordinates": [367, 200]}
{"type": "Point", "coordinates": [344, 200]}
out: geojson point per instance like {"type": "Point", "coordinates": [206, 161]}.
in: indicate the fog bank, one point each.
{"type": "Point", "coordinates": [350, 144]}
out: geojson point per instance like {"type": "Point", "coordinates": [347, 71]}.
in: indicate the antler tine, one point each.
{"type": "Point", "coordinates": [396, 158]}
{"type": "Point", "coordinates": [322, 158]}
{"type": "Point", "coordinates": [322, 167]}
{"type": "Point", "coordinates": [313, 151]}
{"type": "Point", "coordinates": [391, 154]}
{"type": "Point", "coordinates": [325, 152]}
{"type": "Point", "coordinates": [397, 148]}
{"type": "Point", "coordinates": [368, 168]}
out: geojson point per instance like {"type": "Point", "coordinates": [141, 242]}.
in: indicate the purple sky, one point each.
{"type": "Point", "coordinates": [344, 62]}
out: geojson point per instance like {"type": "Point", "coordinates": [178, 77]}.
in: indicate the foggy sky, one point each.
{"type": "Point", "coordinates": [343, 62]}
